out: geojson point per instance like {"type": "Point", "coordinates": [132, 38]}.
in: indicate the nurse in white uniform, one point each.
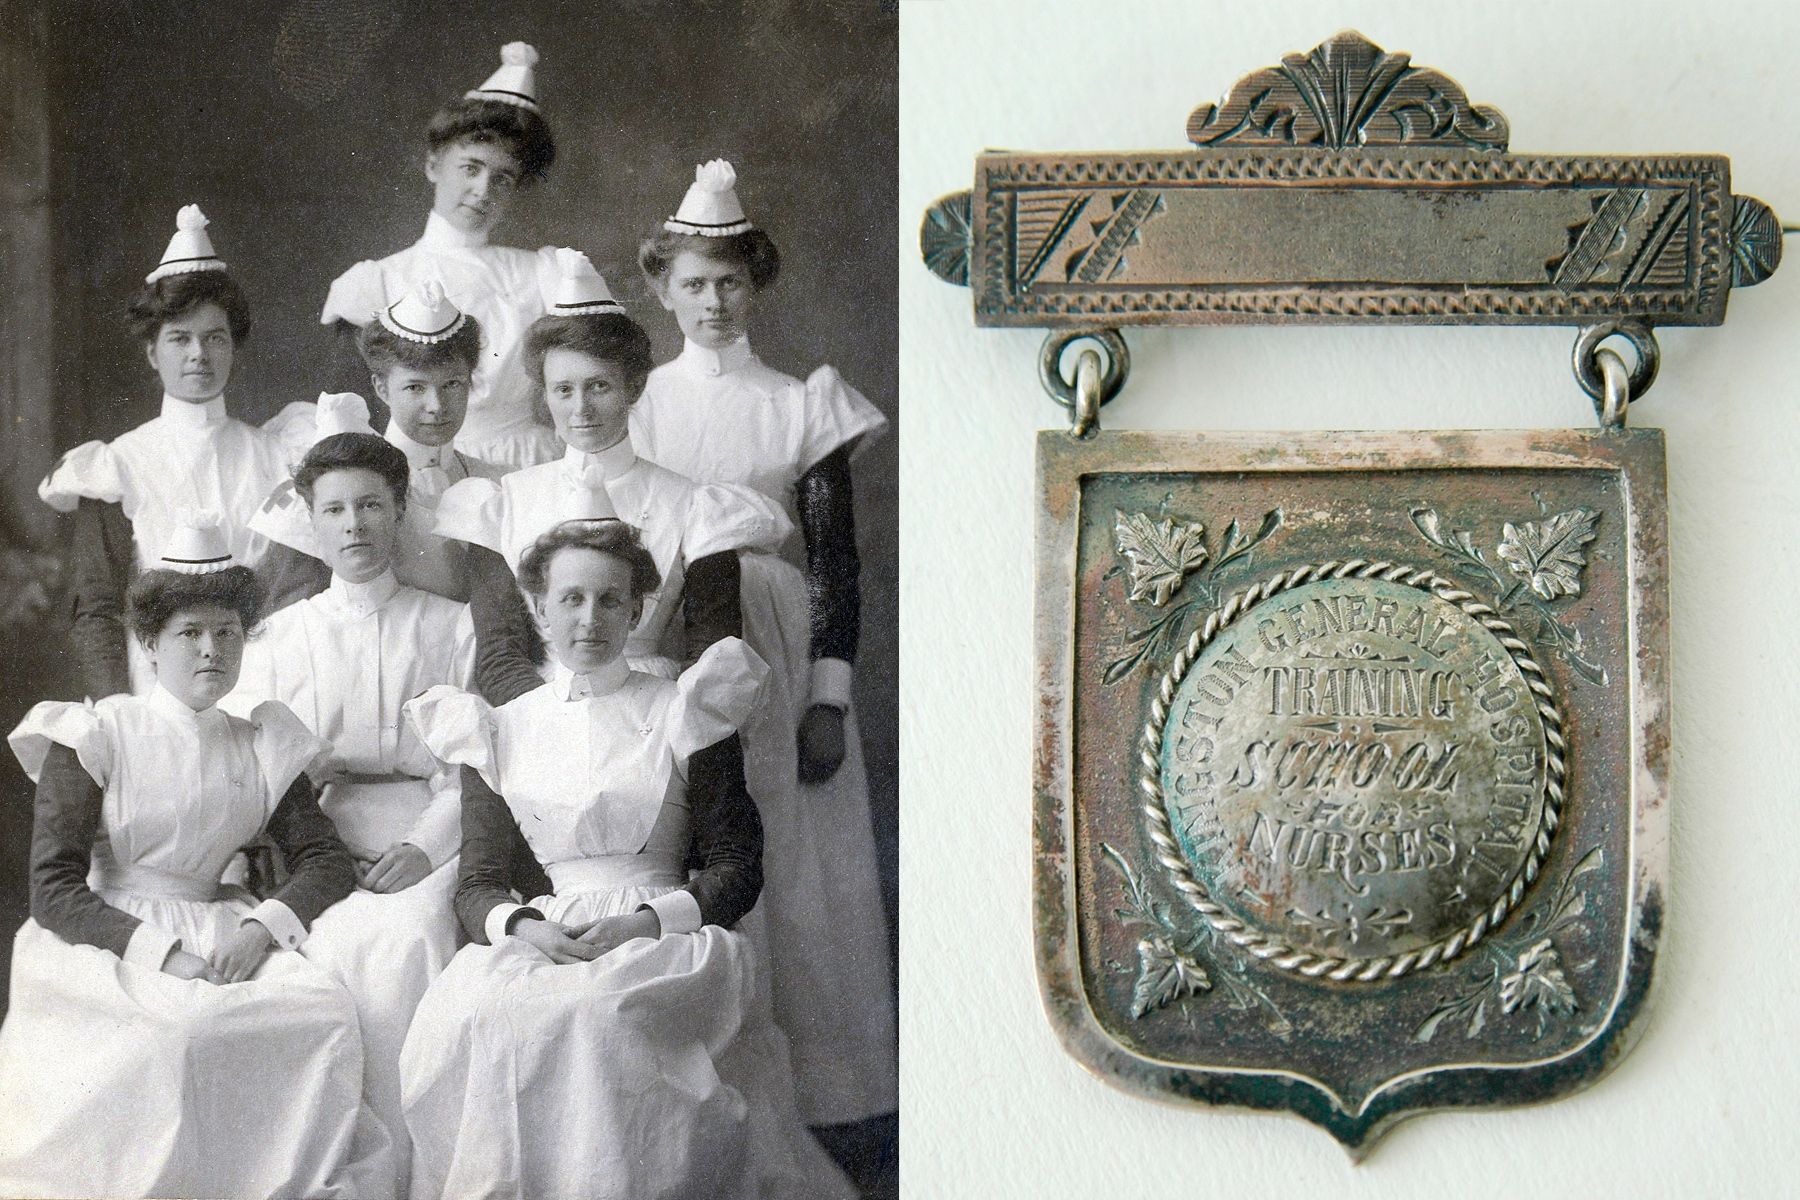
{"type": "Point", "coordinates": [130, 494]}
{"type": "Point", "coordinates": [345, 661]}
{"type": "Point", "coordinates": [718, 414]}
{"type": "Point", "coordinates": [604, 1040]}
{"type": "Point", "coordinates": [162, 1036]}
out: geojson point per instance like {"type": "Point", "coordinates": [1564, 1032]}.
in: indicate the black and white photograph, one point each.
{"type": "Point", "coordinates": [448, 621]}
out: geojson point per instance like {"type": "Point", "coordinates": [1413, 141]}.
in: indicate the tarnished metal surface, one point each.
{"type": "Point", "coordinates": [1347, 185]}
{"type": "Point", "coordinates": [1351, 763]}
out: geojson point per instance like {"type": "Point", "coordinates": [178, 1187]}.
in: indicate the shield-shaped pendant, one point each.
{"type": "Point", "coordinates": [1352, 763]}
{"type": "Point", "coordinates": [1353, 749]}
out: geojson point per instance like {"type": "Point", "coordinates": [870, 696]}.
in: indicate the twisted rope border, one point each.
{"type": "Point", "coordinates": [1264, 947]}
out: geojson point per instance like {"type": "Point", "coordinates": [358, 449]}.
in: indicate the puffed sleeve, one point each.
{"type": "Point", "coordinates": [458, 727]}
{"type": "Point", "coordinates": [91, 471]}
{"type": "Point", "coordinates": [725, 516]}
{"type": "Point", "coordinates": [836, 414]}
{"type": "Point", "coordinates": [294, 429]}
{"type": "Point", "coordinates": [285, 747]}
{"type": "Point", "coordinates": [547, 275]}
{"type": "Point", "coordinates": [62, 723]}
{"type": "Point", "coordinates": [715, 696]}
{"type": "Point", "coordinates": [356, 295]}
{"type": "Point", "coordinates": [471, 510]}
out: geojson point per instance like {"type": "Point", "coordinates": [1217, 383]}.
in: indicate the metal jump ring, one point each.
{"type": "Point", "coordinates": [1084, 418]}
{"type": "Point", "coordinates": [1061, 389]}
{"type": "Point", "coordinates": [1643, 372]}
{"type": "Point", "coordinates": [1611, 407]}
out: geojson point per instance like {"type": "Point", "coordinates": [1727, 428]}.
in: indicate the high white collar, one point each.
{"type": "Point", "coordinates": [168, 703]}
{"type": "Point", "coordinates": [608, 677]}
{"type": "Point", "coordinates": [188, 415]}
{"type": "Point", "coordinates": [602, 467]}
{"type": "Point", "coordinates": [717, 362]}
{"type": "Point", "coordinates": [440, 234]}
{"type": "Point", "coordinates": [418, 454]}
{"type": "Point", "coordinates": [361, 599]}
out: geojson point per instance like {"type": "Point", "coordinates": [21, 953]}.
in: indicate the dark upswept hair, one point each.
{"type": "Point", "coordinates": [173, 296]}
{"type": "Point", "coordinates": [609, 337]}
{"type": "Point", "coordinates": [523, 131]}
{"type": "Point", "coordinates": [382, 349]}
{"type": "Point", "coordinates": [606, 536]}
{"type": "Point", "coordinates": [753, 250]}
{"type": "Point", "coordinates": [342, 451]}
{"type": "Point", "coordinates": [157, 596]}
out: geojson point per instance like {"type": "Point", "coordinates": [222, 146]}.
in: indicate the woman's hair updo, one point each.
{"type": "Point", "coordinates": [382, 349]}
{"type": "Point", "coordinates": [607, 337]}
{"type": "Point", "coordinates": [157, 596]}
{"type": "Point", "coordinates": [753, 250]}
{"type": "Point", "coordinates": [172, 296]}
{"type": "Point", "coordinates": [522, 130]}
{"type": "Point", "coordinates": [344, 451]}
{"type": "Point", "coordinates": [607, 537]}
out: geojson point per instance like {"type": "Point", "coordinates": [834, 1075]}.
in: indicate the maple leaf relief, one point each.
{"type": "Point", "coordinates": [1160, 555]}
{"type": "Point", "coordinates": [1165, 975]}
{"type": "Point", "coordinates": [1550, 554]}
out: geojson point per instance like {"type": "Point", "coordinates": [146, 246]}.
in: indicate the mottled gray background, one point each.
{"type": "Point", "coordinates": [298, 128]}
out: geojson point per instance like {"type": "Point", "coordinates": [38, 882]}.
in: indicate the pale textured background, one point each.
{"type": "Point", "coordinates": [1707, 1103]}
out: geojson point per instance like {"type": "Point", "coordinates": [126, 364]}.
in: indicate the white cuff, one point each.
{"type": "Point", "coordinates": [438, 831]}
{"type": "Point", "coordinates": [498, 917]}
{"type": "Point", "coordinates": [280, 921]}
{"type": "Point", "coordinates": [831, 682]}
{"type": "Point", "coordinates": [678, 911]}
{"type": "Point", "coordinates": [149, 946]}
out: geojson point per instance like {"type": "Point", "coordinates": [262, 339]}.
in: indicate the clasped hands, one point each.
{"type": "Point", "coordinates": [586, 941]}
{"type": "Point", "coordinates": [233, 960]}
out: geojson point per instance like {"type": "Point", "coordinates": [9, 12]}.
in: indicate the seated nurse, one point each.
{"type": "Point", "coordinates": [345, 661]}
{"type": "Point", "coordinates": [163, 1037]}
{"type": "Point", "coordinates": [604, 1040]}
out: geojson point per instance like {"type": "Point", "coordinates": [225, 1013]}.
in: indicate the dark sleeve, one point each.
{"type": "Point", "coordinates": [828, 523]}
{"type": "Point", "coordinates": [100, 566]}
{"type": "Point", "coordinates": [727, 838]}
{"type": "Point", "coordinates": [711, 606]}
{"type": "Point", "coordinates": [491, 845]}
{"type": "Point", "coordinates": [289, 575]}
{"type": "Point", "coordinates": [65, 820]}
{"type": "Point", "coordinates": [508, 650]}
{"type": "Point", "coordinates": [320, 871]}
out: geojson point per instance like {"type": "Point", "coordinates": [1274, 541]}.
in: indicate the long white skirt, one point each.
{"type": "Point", "coordinates": [117, 1080]}
{"type": "Point", "coordinates": [828, 943]}
{"type": "Point", "coordinates": [646, 1074]}
{"type": "Point", "coordinates": [385, 949]}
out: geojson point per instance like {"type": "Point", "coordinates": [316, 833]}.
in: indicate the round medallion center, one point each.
{"type": "Point", "coordinates": [1355, 769]}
